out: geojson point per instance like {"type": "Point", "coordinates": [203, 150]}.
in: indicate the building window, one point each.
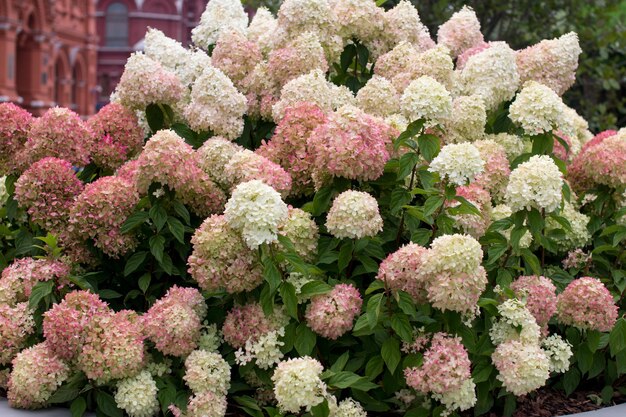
{"type": "Point", "coordinates": [116, 25]}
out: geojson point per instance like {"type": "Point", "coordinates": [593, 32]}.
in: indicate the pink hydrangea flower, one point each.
{"type": "Point", "coordinates": [587, 304]}
{"type": "Point", "coordinates": [445, 366]}
{"type": "Point", "coordinates": [463, 57]}
{"type": "Point", "coordinates": [36, 375]}
{"type": "Point", "coordinates": [48, 202]}
{"type": "Point", "coordinates": [174, 322]}
{"type": "Point", "coordinates": [331, 315]}
{"type": "Point", "coordinates": [288, 147]}
{"type": "Point", "coordinates": [117, 136]}
{"type": "Point", "coordinates": [602, 161]}
{"type": "Point", "coordinates": [540, 295]}
{"type": "Point", "coordinates": [16, 324]}
{"type": "Point", "coordinates": [351, 144]}
{"type": "Point", "coordinates": [64, 324]}
{"type": "Point", "coordinates": [113, 347]}
{"type": "Point", "coordinates": [15, 123]}
{"type": "Point", "coordinates": [246, 165]}
{"type": "Point", "coordinates": [101, 209]}
{"type": "Point", "coordinates": [221, 258]}
{"type": "Point", "coordinates": [235, 55]}
{"type": "Point", "coordinates": [497, 170]}
{"type": "Point", "coordinates": [19, 278]}
{"type": "Point", "coordinates": [243, 323]}
{"type": "Point", "coordinates": [59, 133]}
{"type": "Point", "coordinates": [400, 271]}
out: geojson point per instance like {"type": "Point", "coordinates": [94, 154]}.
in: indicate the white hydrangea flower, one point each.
{"type": "Point", "coordinates": [4, 196]}
{"type": "Point", "coordinates": [218, 17]}
{"type": "Point", "coordinates": [537, 109]}
{"type": "Point", "coordinates": [194, 64]}
{"type": "Point", "coordinates": [137, 396]}
{"type": "Point", "coordinates": [353, 215]}
{"type": "Point", "coordinates": [207, 371]}
{"type": "Point", "coordinates": [460, 399]}
{"type": "Point", "coordinates": [459, 253]}
{"type": "Point", "coordinates": [349, 408]}
{"type": "Point", "coordinates": [265, 350]}
{"type": "Point", "coordinates": [297, 384]}
{"type": "Point", "coordinates": [559, 351]}
{"type": "Point", "coordinates": [216, 105]}
{"type": "Point", "coordinates": [262, 28]}
{"type": "Point", "coordinates": [491, 74]}
{"type": "Point", "coordinates": [515, 323]}
{"type": "Point", "coordinates": [210, 337]}
{"type": "Point", "coordinates": [522, 367]}
{"type": "Point", "coordinates": [458, 163]}
{"type": "Point", "coordinates": [361, 19]}
{"type": "Point", "coordinates": [214, 155]}
{"type": "Point", "coordinates": [298, 281]}
{"type": "Point", "coordinates": [311, 87]}
{"type": "Point", "coordinates": [461, 32]}
{"type": "Point", "coordinates": [403, 24]}
{"type": "Point", "coordinates": [378, 97]}
{"type": "Point", "coordinates": [467, 120]}
{"type": "Point", "coordinates": [535, 183]}
{"type": "Point", "coordinates": [256, 209]}
{"type": "Point", "coordinates": [160, 369]}
{"type": "Point", "coordinates": [165, 50]}
{"type": "Point", "coordinates": [513, 145]}
{"type": "Point", "coordinates": [426, 98]}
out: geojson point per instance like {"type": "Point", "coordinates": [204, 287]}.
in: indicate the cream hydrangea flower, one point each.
{"type": "Point", "coordinates": [522, 367]}
{"type": "Point", "coordinates": [535, 183]}
{"type": "Point", "coordinates": [256, 209]}
{"type": "Point", "coordinates": [353, 215]}
{"type": "Point", "coordinates": [297, 384]}
{"type": "Point", "coordinates": [426, 98]}
{"type": "Point", "coordinates": [458, 163]}
{"type": "Point", "coordinates": [207, 371]}
{"type": "Point", "coordinates": [559, 351]}
{"type": "Point", "coordinates": [538, 109]}
{"type": "Point", "coordinates": [137, 395]}
{"type": "Point", "coordinates": [218, 17]}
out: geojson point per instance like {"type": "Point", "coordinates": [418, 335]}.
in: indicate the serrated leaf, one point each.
{"type": "Point", "coordinates": [429, 146]}
{"type": "Point", "coordinates": [571, 379]}
{"type": "Point", "coordinates": [400, 324]}
{"type": "Point", "coordinates": [108, 294]}
{"type": "Point", "coordinates": [321, 200]}
{"type": "Point", "coordinates": [617, 337]}
{"type": "Point", "coordinates": [432, 204]}
{"type": "Point", "coordinates": [345, 379]}
{"type": "Point", "coordinates": [155, 117]}
{"type": "Point", "coordinates": [78, 407]}
{"type": "Point", "coordinates": [341, 361]}
{"type": "Point", "coordinates": [157, 246]}
{"type": "Point", "coordinates": [316, 287]}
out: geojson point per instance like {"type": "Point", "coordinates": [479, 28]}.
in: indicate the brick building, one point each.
{"type": "Point", "coordinates": [122, 25]}
{"type": "Point", "coordinates": [48, 54]}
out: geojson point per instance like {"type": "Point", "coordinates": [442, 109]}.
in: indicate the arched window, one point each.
{"type": "Point", "coordinates": [116, 25]}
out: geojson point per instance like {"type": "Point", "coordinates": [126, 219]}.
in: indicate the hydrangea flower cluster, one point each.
{"type": "Point", "coordinates": [467, 119]}
{"type": "Point", "coordinates": [243, 323]}
{"type": "Point", "coordinates": [174, 322]}
{"type": "Point", "coordinates": [537, 109]}
{"type": "Point", "coordinates": [453, 273]}
{"type": "Point", "coordinates": [473, 224]}
{"type": "Point", "coordinates": [302, 231]}
{"type": "Point", "coordinates": [602, 162]}
{"type": "Point", "coordinates": [16, 324]}
{"type": "Point", "coordinates": [220, 16]}
{"type": "Point", "coordinates": [458, 163]}
{"type": "Point", "coordinates": [15, 124]}
{"type": "Point", "coordinates": [578, 235]}
{"type": "Point", "coordinates": [48, 202]}
{"type": "Point", "coordinates": [426, 98]}
{"type": "Point", "coordinates": [535, 183]}
{"type": "Point", "coordinates": [297, 384]}
{"type": "Point", "coordinates": [516, 323]}
{"type": "Point", "coordinates": [461, 32]}
{"type": "Point", "coordinates": [19, 278]}
{"type": "Point", "coordinates": [587, 304]}
{"type": "Point", "coordinates": [495, 177]}
{"type": "Point", "coordinates": [522, 367]}
{"type": "Point", "coordinates": [256, 210]}
{"type": "Point", "coordinates": [137, 395]}
{"type": "Point", "coordinates": [101, 209]}
{"type": "Point", "coordinates": [207, 371]}
{"type": "Point", "coordinates": [221, 259]}
{"type": "Point", "coordinates": [246, 165]}
{"type": "Point", "coordinates": [559, 352]}
{"type": "Point", "coordinates": [400, 271]}
{"type": "Point", "coordinates": [444, 373]}
{"type": "Point", "coordinates": [353, 215]}
{"type": "Point", "coordinates": [331, 315]}
{"type": "Point", "coordinates": [539, 294]}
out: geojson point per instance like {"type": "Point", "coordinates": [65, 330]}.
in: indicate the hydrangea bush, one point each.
{"type": "Point", "coordinates": [321, 213]}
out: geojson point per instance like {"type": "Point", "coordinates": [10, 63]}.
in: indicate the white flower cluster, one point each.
{"type": "Point", "coordinates": [491, 74]}
{"type": "Point", "coordinates": [210, 337]}
{"type": "Point", "coordinates": [378, 97]}
{"type": "Point", "coordinates": [456, 252]}
{"type": "Point", "coordinates": [538, 109]}
{"type": "Point", "coordinates": [297, 384]}
{"type": "Point", "coordinates": [522, 367]}
{"type": "Point", "coordinates": [165, 50]}
{"type": "Point", "coordinates": [216, 105]}
{"type": "Point", "coordinates": [353, 215]}
{"type": "Point", "coordinates": [535, 183]}
{"type": "Point", "coordinates": [426, 98]}
{"type": "Point", "coordinates": [458, 163]}
{"type": "Point", "coordinates": [461, 31]}
{"type": "Point", "coordinates": [460, 399]}
{"type": "Point", "coordinates": [348, 408]}
{"type": "Point", "coordinates": [218, 17]}
{"type": "Point", "coordinates": [213, 156]}
{"type": "Point", "coordinates": [513, 145]}
{"type": "Point", "coordinates": [515, 323]}
{"type": "Point", "coordinates": [403, 24]}
{"type": "Point", "coordinates": [361, 19]}
{"type": "Point", "coordinates": [137, 396]}
{"type": "Point", "coordinates": [207, 371]}
{"type": "Point", "coordinates": [467, 120]}
{"type": "Point", "coordinates": [434, 62]}
{"type": "Point", "coordinates": [265, 350]}
{"type": "Point", "coordinates": [261, 28]}
{"type": "Point", "coordinates": [256, 209]}
{"type": "Point", "coordinates": [312, 88]}
{"type": "Point", "coordinates": [559, 352]}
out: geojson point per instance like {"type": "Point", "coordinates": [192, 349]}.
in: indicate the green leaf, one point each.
{"type": "Point", "coordinates": [109, 294]}
{"type": "Point", "coordinates": [305, 340]}
{"type": "Point", "coordinates": [345, 379]}
{"type": "Point", "coordinates": [345, 255]}
{"type": "Point", "coordinates": [159, 216]}
{"type": "Point", "coordinates": [167, 265]}
{"type": "Point", "coordinates": [134, 220]}
{"type": "Point", "coordinates": [535, 221]}
{"type": "Point", "coordinates": [271, 273]}
{"type": "Point", "coordinates": [421, 236]}
{"type": "Point", "coordinates": [65, 393]}
{"type": "Point", "coordinates": [41, 290]}
{"type": "Point", "coordinates": [341, 361]}
{"type": "Point", "coordinates": [370, 265]}
{"type": "Point", "coordinates": [373, 309]}
{"type": "Point", "coordinates": [509, 405]}
{"type": "Point", "coordinates": [144, 282]}
{"type": "Point", "coordinates": [400, 324]}
{"type": "Point", "coordinates": [249, 405]}
{"type": "Point", "coordinates": [321, 200]}
{"type": "Point", "coordinates": [432, 204]}
{"type": "Point", "coordinates": [391, 353]}
{"type": "Point", "coordinates": [532, 261]}
{"type": "Point", "coordinates": [176, 228]}
{"type": "Point", "coordinates": [347, 56]}
{"type": "Point", "coordinates": [584, 358]}
{"type": "Point", "coordinates": [134, 262]}
{"type": "Point", "coordinates": [155, 118]}
{"type": "Point", "coordinates": [407, 163]}
{"type": "Point", "coordinates": [157, 247]}
{"type": "Point", "coordinates": [182, 211]}
{"type": "Point", "coordinates": [406, 303]}
{"type": "Point", "coordinates": [399, 198]}
{"type": "Point", "coordinates": [429, 146]}
{"type": "Point", "coordinates": [290, 300]}
{"type": "Point", "coordinates": [106, 404]}
{"type": "Point", "coordinates": [482, 372]}
{"type": "Point", "coordinates": [321, 410]}
{"type": "Point", "coordinates": [374, 367]}
{"type": "Point", "coordinates": [617, 338]}
{"type": "Point", "coordinates": [316, 287]}
{"type": "Point", "coordinates": [412, 129]}
{"type": "Point", "coordinates": [78, 407]}
{"type": "Point", "coordinates": [571, 379]}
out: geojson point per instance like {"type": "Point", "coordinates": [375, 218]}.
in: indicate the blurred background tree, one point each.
{"type": "Point", "coordinates": [599, 94]}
